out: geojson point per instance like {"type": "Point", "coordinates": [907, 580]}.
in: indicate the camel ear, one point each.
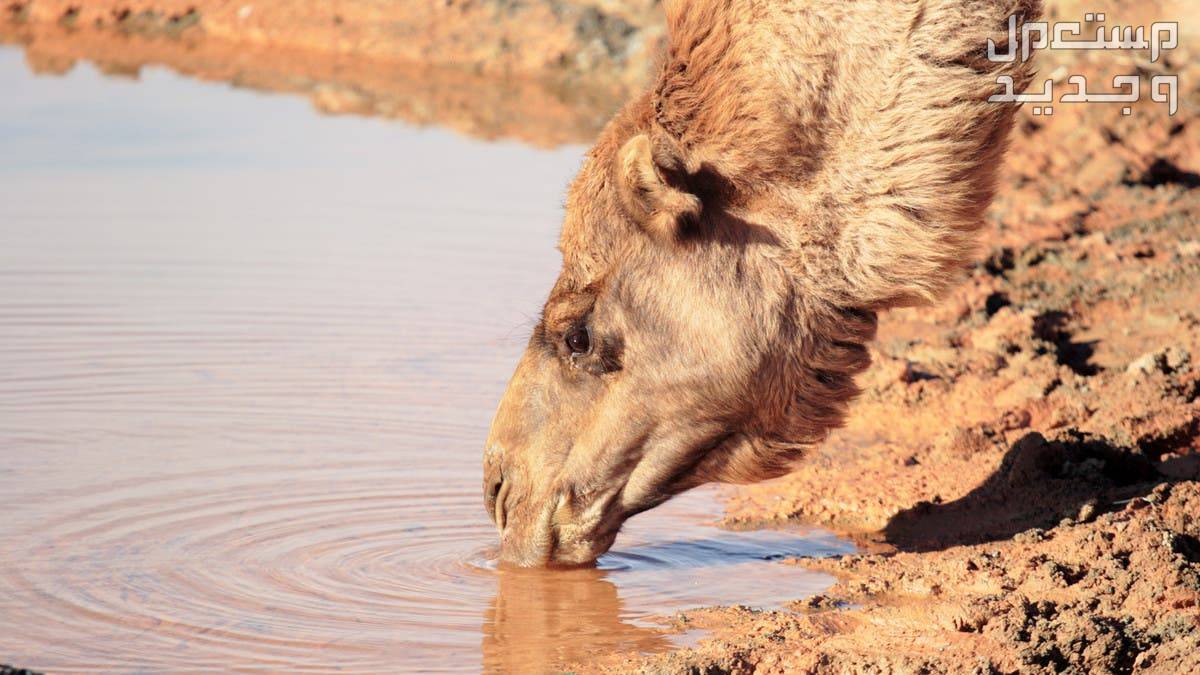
{"type": "Point", "coordinates": [648, 174]}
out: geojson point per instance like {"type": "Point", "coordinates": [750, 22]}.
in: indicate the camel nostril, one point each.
{"type": "Point", "coordinates": [489, 495]}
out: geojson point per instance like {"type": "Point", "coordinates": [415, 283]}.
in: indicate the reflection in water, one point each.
{"type": "Point", "coordinates": [540, 620]}
{"type": "Point", "coordinates": [476, 105]}
{"type": "Point", "coordinates": [247, 359]}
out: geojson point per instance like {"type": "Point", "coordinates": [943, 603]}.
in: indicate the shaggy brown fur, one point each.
{"type": "Point", "coordinates": [796, 167]}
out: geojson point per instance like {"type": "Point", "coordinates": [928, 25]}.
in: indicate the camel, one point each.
{"type": "Point", "coordinates": [795, 167]}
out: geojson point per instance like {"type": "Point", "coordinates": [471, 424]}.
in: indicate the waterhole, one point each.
{"type": "Point", "coordinates": [248, 356]}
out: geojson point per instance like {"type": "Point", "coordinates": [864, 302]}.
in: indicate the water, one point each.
{"type": "Point", "coordinates": [248, 356]}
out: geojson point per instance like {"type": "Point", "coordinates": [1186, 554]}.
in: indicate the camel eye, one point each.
{"type": "Point", "coordinates": [578, 341]}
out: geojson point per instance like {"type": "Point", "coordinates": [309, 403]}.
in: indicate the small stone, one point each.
{"type": "Point", "coordinates": [1088, 511]}
{"type": "Point", "coordinates": [1030, 536]}
{"type": "Point", "coordinates": [821, 603]}
{"type": "Point", "coordinates": [1159, 494]}
{"type": "Point", "coordinates": [1177, 359]}
{"type": "Point", "coordinates": [1015, 419]}
{"type": "Point", "coordinates": [1144, 364]}
{"type": "Point", "coordinates": [1166, 360]}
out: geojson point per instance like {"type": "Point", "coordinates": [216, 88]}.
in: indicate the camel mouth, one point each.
{"type": "Point", "coordinates": [551, 544]}
{"type": "Point", "coordinates": [549, 565]}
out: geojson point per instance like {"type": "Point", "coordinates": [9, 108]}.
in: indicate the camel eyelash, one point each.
{"type": "Point", "coordinates": [604, 356]}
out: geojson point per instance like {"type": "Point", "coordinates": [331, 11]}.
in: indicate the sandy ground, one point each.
{"type": "Point", "coordinates": [1023, 467]}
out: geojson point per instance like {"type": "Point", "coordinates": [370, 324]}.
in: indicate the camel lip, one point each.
{"type": "Point", "coordinates": [549, 550]}
{"type": "Point", "coordinates": [549, 565]}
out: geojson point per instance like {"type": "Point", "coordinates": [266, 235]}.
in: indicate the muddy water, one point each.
{"type": "Point", "coordinates": [247, 359]}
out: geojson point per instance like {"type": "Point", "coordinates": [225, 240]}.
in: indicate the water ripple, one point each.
{"type": "Point", "coordinates": [241, 412]}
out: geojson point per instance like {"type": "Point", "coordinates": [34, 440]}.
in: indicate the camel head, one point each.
{"type": "Point", "coordinates": [666, 357]}
{"type": "Point", "coordinates": [726, 245]}
{"type": "Point", "coordinates": [672, 352]}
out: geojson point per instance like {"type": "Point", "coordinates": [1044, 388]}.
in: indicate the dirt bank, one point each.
{"type": "Point", "coordinates": [546, 72]}
{"type": "Point", "coordinates": [1022, 466]}
{"type": "Point", "coordinates": [480, 106]}
{"type": "Point", "coordinates": [495, 37]}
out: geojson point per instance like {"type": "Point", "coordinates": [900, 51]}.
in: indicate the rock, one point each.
{"type": "Point", "coordinates": [964, 443]}
{"type": "Point", "coordinates": [1137, 504]}
{"type": "Point", "coordinates": [1088, 511]}
{"type": "Point", "coordinates": [1166, 360]}
{"type": "Point", "coordinates": [1177, 359]}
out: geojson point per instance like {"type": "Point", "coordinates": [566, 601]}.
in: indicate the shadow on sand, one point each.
{"type": "Point", "coordinates": [1037, 484]}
